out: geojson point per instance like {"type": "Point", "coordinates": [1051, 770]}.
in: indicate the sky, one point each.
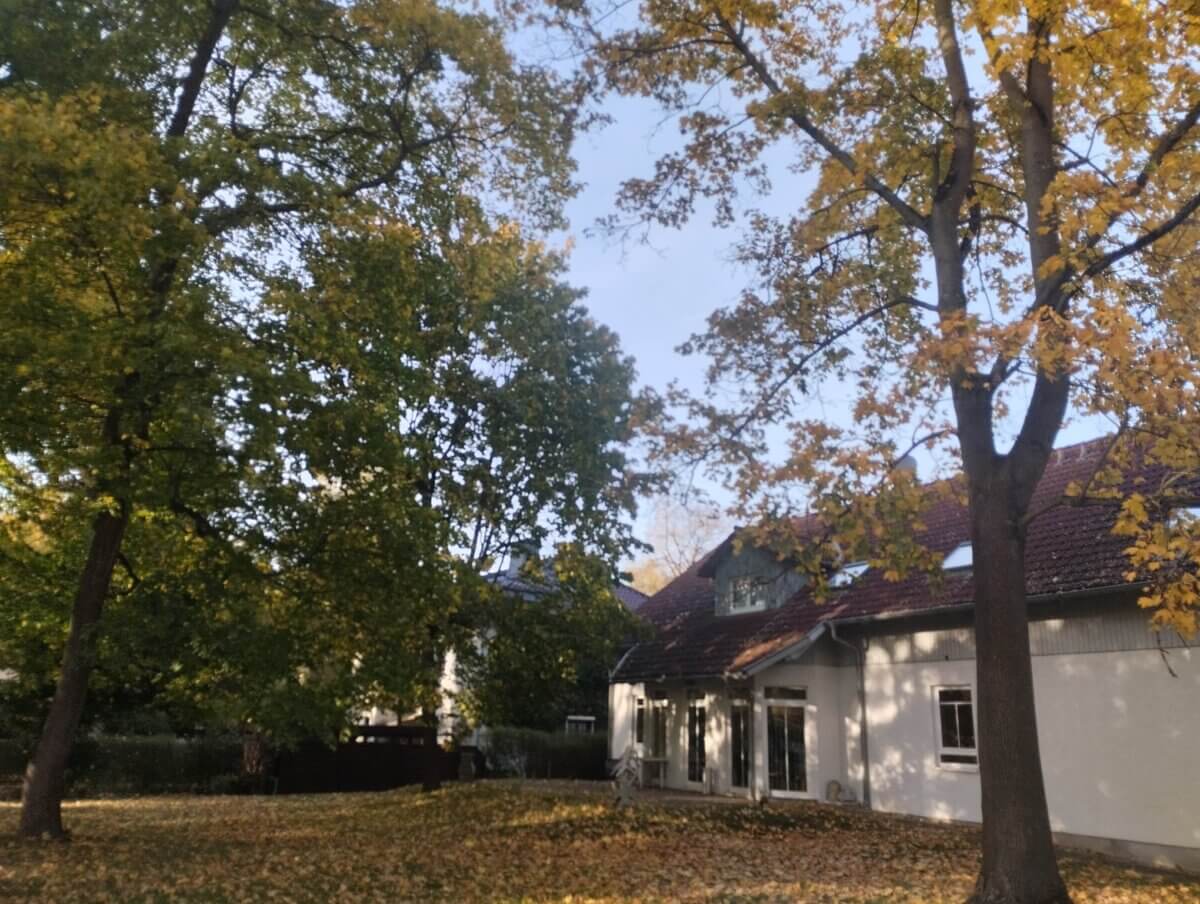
{"type": "Point", "coordinates": [655, 295]}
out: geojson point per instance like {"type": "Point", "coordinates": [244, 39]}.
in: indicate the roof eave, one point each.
{"type": "Point", "coordinates": [793, 649]}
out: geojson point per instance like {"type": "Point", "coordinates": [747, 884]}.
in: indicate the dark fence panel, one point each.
{"type": "Point", "coordinates": [376, 758]}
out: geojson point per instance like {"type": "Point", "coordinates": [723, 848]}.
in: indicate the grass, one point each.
{"type": "Point", "coordinates": [512, 841]}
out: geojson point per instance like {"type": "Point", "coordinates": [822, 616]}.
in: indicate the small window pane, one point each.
{"type": "Point", "coordinates": [961, 556]}
{"type": "Point", "coordinates": [848, 574]}
{"type": "Point", "coordinates": [966, 726]}
{"type": "Point", "coordinates": [955, 694]}
{"type": "Point", "coordinates": [949, 726]}
{"type": "Point", "coordinates": [963, 758]}
{"type": "Point", "coordinates": [786, 693]}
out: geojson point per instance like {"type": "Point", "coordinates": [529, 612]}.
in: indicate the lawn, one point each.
{"type": "Point", "coordinates": [508, 841]}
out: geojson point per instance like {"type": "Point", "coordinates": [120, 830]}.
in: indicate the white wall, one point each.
{"type": "Point", "coordinates": [621, 711]}
{"type": "Point", "coordinates": [1119, 740]}
{"type": "Point", "coordinates": [824, 722]}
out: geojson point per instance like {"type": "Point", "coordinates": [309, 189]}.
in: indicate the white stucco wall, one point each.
{"type": "Point", "coordinates": [824, 729]}
{"type": "Point", "coordinates": [1119, 735]}
{"type": "Point", "coordinates": [1119, 738]}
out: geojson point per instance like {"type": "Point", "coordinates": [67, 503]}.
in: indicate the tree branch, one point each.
{"type": "Point", "coordinates": [222, 10]}
{"type": "Point", "coordinates": [802, 121]}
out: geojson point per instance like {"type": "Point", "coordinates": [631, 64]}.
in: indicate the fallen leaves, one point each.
{"type": "Point", "coordinates": [514, 842]}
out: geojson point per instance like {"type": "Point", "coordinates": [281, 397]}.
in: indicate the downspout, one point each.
{"type": "Point", "coordinates": [862, 712]}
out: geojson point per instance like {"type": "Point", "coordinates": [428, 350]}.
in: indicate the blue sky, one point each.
{"type": "Point", "coordinates": [655, 295]}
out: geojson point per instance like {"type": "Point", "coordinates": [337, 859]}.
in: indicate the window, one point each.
{"type": "Point", "coordinates": [785, 693]}
{"type": "Point", "coordinates": [650, 726]}
{"type": "Point", "coordinates": [746, 592]}
{"type": "Point", "coordinates": [1187, 516]}
{"type": "Point", "coordinates": [695, 733]}
{"type": "Point", "coordinates": [581, 724]}
{"type": "Point", "coordinates": [787, 767]}
{"type": "Point", "coordinates": [956, 727]}
{"type": "Point", "coordinates": [848, 574]}
{"type": "Point", "coordinates": [739, 729]}
{"type": "Point", "coordinates": [961, 557]}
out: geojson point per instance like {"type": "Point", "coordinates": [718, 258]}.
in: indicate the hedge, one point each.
{"type": "Point", "coordinates": [141, 765]}
{"type": "Point", "coordinates": [526, 753]}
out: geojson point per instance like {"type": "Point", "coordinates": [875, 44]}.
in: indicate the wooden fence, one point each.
{"type": "Point", "coordinates": [375, 758]}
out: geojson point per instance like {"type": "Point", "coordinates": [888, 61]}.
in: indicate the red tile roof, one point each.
{"type": "Point", "coordinates": [1070, 549]}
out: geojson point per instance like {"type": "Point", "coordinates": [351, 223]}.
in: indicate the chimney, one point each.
{"type": "Point", "coordinates": [518, 555]}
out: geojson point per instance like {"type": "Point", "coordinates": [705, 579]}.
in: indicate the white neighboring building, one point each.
{"type": "Point", "coordinates": [750, 688]}
{"type": "Point", "coordinates": [450, 721]}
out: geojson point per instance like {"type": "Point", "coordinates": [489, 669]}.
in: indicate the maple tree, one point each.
{"type": "Point", "coordinates": [278, 348]}
{"type": "Point", "coordinates": [1000, 227]}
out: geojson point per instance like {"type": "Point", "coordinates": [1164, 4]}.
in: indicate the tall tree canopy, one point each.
{"type": "Point", "coordinates": [1000, 226]}
{"type": "Point", "coordinates": [277, 351]}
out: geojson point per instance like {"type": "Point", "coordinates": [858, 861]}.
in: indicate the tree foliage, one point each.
{"type": "Point", "coordinates": [999, 227]}
{"type": "Point", "coordinates": [280, 346]}
{"type": "Point", "coordinates": [545, 654]}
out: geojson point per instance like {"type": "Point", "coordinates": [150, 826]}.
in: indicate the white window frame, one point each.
{"type": "Point", "coordinates": [747, 587]}
{"type": "Point", "coordinates": [848, 574]}
{"type": "Point", "coordinates": [944, 751]}
{"type": "Point", "coordinates": [796, 697]}
{"type": "Point", "coordinates": [582, 722]}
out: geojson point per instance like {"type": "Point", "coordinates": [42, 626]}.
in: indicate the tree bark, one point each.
{"type": "Point", "coordinates": [41, 799]}
{"type": "Point", "coordinates": [1019, 863]}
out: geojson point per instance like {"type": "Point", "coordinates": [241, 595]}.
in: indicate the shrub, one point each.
{"type": "Point", "coordinates": [13, 757]}
{"type": "Point", "coordinates": [526, 753]}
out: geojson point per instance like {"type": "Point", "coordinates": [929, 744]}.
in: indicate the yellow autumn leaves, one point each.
{"type": "Point", "coordinates": [510, 842]}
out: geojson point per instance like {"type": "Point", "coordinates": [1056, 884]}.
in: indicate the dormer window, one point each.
{"type": "Point", "coordinates": [746, 593]}
{"type": "Point", "coordinates": [960, 558]}
{"type": "Point", "coordinates": [848, 574]}
{"type": "Point", "coordinates": [1185, 516]}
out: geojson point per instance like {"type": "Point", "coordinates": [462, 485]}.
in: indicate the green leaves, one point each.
{"type": "Point", "coordinates": [263, 310]}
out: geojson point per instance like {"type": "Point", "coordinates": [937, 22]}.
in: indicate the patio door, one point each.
{"type": "Point", "coordinates": [741, 722]}
{"type": "Point", "coordinates": [787, 765]}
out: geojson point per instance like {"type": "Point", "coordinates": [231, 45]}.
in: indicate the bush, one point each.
{"type": "Point", "coordinates": [12, 759]}
{"type": "Point", "coordinates": [526, 753]}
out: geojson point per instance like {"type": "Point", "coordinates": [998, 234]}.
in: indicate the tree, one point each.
{"type": "Point", "coordinates": [1032, 166]}
{"type": "Point", "coordinates": [541, 656]}
{"type": "Point", "coordinates": [681, 532]}
{"type": "Point", "coordinates": [160, 198]}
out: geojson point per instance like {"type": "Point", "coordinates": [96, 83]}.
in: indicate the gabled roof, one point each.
{"type": "Point", "coordinates": [527, 586]}
{"type": "Point", "coordinates": [1070, 549]}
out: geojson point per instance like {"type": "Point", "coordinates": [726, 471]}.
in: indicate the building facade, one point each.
{"type": "Point", "coordinates": [748, 687]}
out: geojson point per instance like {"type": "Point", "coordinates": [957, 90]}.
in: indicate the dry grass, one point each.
{"type": "Point", "coordinates": [508, 841]}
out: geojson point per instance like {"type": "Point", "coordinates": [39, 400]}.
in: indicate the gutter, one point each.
{"type": "Point", "coordinates": [612, 673]}
{"type": "Point", "coordinates": [864, 750]}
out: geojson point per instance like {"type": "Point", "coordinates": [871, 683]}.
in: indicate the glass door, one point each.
{"type": "Point", "coordinates": [740, 731]}
{"type": "Point", "coordinates": [787, 771]}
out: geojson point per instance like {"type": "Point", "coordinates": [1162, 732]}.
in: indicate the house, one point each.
{"type": "Point", "coordinates": [513, 579]}
{"type": "Point", "coordinates": [750, 687]}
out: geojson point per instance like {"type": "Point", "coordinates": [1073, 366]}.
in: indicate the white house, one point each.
{"type": "Point", "coordinates": [511, 579]}
{"type": "Point", "coordinates": [748, 687]}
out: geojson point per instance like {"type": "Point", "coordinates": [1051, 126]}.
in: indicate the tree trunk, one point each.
{"type": "Point", "coordinates": [41, 799]}
{"type": "Point", "coordinates": [1019, 864]}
